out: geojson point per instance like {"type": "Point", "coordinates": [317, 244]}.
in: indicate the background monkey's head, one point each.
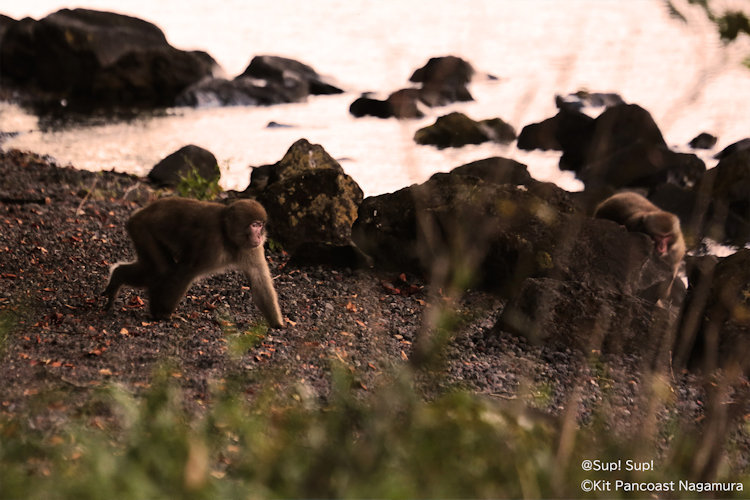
{"type": "Point", "coordinates": [662, 227]}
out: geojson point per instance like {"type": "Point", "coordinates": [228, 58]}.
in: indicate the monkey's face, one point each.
{"type": "Point", "coordinates": [248, 234]}
{"type": "Point", "coordinates": [662, 242]}
{"type": "Point", "coordinates": [246, 224]}
{"type": "Point", "coordinates": [661, 227]}
{"type": "Point", "coordinates": [256, 234]}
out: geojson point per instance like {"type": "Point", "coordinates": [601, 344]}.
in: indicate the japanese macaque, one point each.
{"type": "Point", "coordinates": [636, 213]}
{"type": "Point", "coordinates": [177, 240]}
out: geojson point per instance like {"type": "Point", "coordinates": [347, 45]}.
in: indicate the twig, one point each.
{"type": "Point", "coordinates": [91, 189]}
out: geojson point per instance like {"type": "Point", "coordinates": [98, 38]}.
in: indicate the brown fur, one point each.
{"type": "Point", "coordinates": [177, 240]}
{"type": "Point", "coordinates": [637, 213]}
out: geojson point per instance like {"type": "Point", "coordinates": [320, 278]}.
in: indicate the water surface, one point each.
{"type": "Point", "coordinates": [677, 70]}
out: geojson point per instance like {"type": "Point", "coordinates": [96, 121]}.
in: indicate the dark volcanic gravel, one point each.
{"type": "Point", "coordinates": [62, 228]}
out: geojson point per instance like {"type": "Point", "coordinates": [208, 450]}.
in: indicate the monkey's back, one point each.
{"type": "Point", "coordinates": [178, 224]}
{"type": "Point", "coordinates": [621, 207]}
{"type": "Point", "coordinates": [170, 214]}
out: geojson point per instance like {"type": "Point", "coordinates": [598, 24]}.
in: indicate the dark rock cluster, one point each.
{"type": "Point", "coordinates": [566, 279]}
{"type": "Point", "coordinates": [456, 129]}
{"type": "Point", "coordinates": [87, 61]}
{"type": "Point", "coordinates": [267, 80]}
{"type": "Point", "coordinates": [443, 80]}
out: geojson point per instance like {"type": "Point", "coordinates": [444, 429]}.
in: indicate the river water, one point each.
{"type": "Point", "coordinates": [679, 71]}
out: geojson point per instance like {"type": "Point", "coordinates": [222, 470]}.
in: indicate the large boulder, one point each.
{"type": "Point", "coordinates": [627, 149]}
{"type": "Point", "coordinates": [87, 59]}
{"type": "Point", "coordinates": [444, 80]}
{"type": "Point", "coordinates": [569, 131]}
{"type": "Point", "coordinates": [585, 317]}
{"type": "Point", "coordinates": [285, 72]}
{"type": "Point", "coordinates": [456, 129]}
{"type": "Point", "coordinates": [736, 147]}
{"type": "Point", "coordinates": [728, 187]}
{"type": "Point", "coordinates": [495, 235]}
{"type": "Point", "coordinates": [497, 170]}
{"type": "Point", "coordinates": [312, 205]}
{"type": "Point", "coordinates": [366, 105]}
{"type": "Point", "coordinates": [5, 22]}
{"type": "Point", "coordinates": [401, 104]}
{"type": "Point", "coordinates": [211, 92]}
{"type": "Point", "coordinates": [715, 324]}
{"type": "Point", "coordinates": [302, 157]}
{"type": "Point", "coordinates": [622, 148]}
{"type": "Point", "coordinates": [704, 140]}
{"type": "Point", "coordinates": [267, 80]}
{"type": "Point", "coordinates": [569, 279]}
{"type": "Point", "coordinates": [404, 103]}
{"type": "Point", "coordinates": [188, 159]}
{"type": "Point", "coordinates": [684, 203]}
{"type": "Point", "coordinates": [445, 70]}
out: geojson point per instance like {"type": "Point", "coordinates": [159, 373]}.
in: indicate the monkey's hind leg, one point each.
{"type": "Point", "coordinates": [166, 292]}
{"type": "Point", "coordinates": [133, 274]}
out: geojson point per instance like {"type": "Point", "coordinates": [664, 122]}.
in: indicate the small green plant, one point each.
{"type": "Point", "coordinates": [274, 246]}
{"type": "Point", "coordinates": [387, 442]}
{"type": "Point", "coordinates": [194, 185]}
{"type": "Point", "coordinates": [240, 342]}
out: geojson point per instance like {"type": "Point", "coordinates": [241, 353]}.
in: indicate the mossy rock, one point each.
{"type": "Point", "coordinates": [300, 158]}
{"type": "Point", "coordinates": [187, 160]}
{"type": "Point", "coordinates": [455, 130]}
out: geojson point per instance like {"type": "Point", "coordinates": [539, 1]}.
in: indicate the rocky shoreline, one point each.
{"type": "Point", "coordinates": [481, 279]}
{"type": "Point", "coordinates": [62, 228]}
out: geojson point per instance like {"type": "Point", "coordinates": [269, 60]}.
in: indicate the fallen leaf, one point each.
{"type": "Point", "coordinates": [135, 301]}
{"type": "Point", "coordinates": [390, 288]}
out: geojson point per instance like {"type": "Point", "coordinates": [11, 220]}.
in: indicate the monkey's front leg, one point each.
{"type": "Point", "coordinates": [256, 269]}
